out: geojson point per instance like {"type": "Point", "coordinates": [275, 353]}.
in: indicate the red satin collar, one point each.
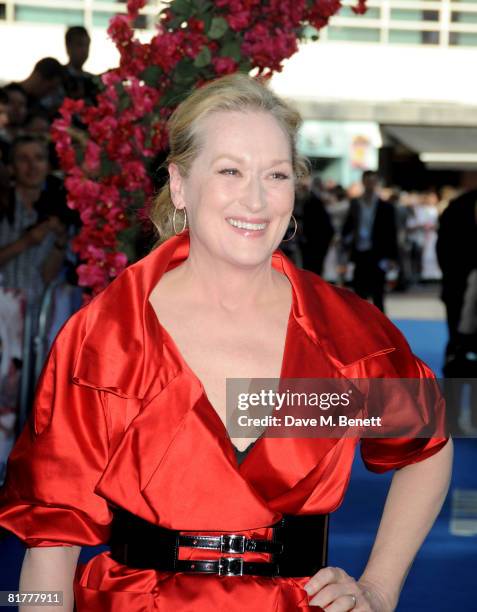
{"type": "Point", "coordinates": [120, 327]}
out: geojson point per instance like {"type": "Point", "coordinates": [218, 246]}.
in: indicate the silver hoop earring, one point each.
{"type": "Point", "coordinates": [294, 231]}
{"type": "Point", "coordinates": [174, 221]}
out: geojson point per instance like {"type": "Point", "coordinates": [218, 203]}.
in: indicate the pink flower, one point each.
{"type": "Point", "coordinates": [92, 156]}
{"type": "Point", "coordinates": [239, 21]}
{"type": "Point", "coordinates": [120, 30]}
{"type": "Point", "coordinates": [320, 12]}
{"type": "Point", "coordinates": [134, 6]}
{"type": "Point", "coordinates": [87, 215]}
{"type": "Point", "coordinates": [134, 174]}
{"type": "Point", "coordinates": [224, 65]}
{"type": "Point", "coordinates": [166, 50]}
{"type": "Point", "coordinates": [360, 8]}
{"type": "Point", "coordinates": [96, 253]}
{"type": "Point", "coordinates": [91, 275]}
{"type": "Point", "coordinates": [111, 77]}
{"type": "Point", "coordinates": [104, 129]}
{"type": "Point", "coordinates": [82, 189]}
{"type": "Point", "coordinates": [118, 260]}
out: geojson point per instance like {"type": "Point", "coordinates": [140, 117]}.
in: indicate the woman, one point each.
{"type": "Point", "coordinates": [130, 410]}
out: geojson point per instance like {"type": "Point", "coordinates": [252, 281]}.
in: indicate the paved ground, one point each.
{"type": "Point", "coordinates": [418, 303]}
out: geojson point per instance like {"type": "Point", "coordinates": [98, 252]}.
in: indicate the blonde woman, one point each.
{"type": "Point", "coordinates": [127, 443]}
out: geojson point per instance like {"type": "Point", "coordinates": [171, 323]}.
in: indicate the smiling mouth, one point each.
{"type": "Point", "coordinates": [254, 227]}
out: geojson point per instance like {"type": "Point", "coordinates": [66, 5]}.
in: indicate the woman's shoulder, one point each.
{"type": "Point", "coordinates": [349, 327]}
{"type": "Point", "coordinates": [107, 321]}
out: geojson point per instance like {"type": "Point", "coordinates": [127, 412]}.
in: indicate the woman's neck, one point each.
{"type": "Point", "coordinates": [228, 287]}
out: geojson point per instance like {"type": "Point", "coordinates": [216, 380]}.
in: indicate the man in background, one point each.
{"type": "Point", "coordinates": [318, 231]}
{"type": "Point", "coordinates": [43, 84]}
{"type": "Point", "coordinates": [457, 255]}
{"type": "Point", "coordinates": [369, 239]}
{"type": "Point", "coordinates": [77, 83]}
{"type": "Point", "coordinates": [17, 112]}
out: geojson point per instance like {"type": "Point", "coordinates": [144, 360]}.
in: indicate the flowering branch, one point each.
{"type": "Point", "coordinates": [109, 173]}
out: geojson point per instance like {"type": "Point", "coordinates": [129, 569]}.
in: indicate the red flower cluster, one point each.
{"type": "Point", "coordinates": [360, 8]}
{"type": "Point", "coordinates": [318, 13]}
{"type": "Point", "coordinates": [134, 6]}
{"type": "Point", "coordinates": [109, 167]}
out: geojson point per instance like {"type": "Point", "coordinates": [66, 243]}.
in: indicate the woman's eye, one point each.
{"type": "Point", "coordinates": [235, 172]}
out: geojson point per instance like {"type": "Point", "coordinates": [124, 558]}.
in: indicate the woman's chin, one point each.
{"type": "Point", "coordinates": [250, 258]}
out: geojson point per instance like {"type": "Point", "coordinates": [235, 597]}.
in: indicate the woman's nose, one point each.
{"type": "Point", "coordinates": [254, 197]}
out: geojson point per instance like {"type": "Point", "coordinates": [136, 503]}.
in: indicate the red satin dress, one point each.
{"type": "Point", "coordinates": [120, 418]}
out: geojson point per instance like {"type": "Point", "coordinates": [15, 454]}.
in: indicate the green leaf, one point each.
{"type": "Point", "coordinates": [98, 83]}
{"type": "Point", "coordinates": [201, 6]}
{"type": "Point", "coordinates": [245, 65]}
{"type": "Point", "coordinates": [203, 58]}
{"type": "Point", "coordinates": [185, 72]}
{"type": "Point", "coordinates": [107, 167]}
{"type": "Point", "coordinates": [218, 27]}
{"type": "Point", "coordinates": [181, 7]}
{"type": "Point", "coordinates": [79, 155]}
{"type": "Point", "coordinates": [148, 139]}
{"type": "Point", "coordinates": [174, 23]}
{"type": "Point", "coordinates": [124, 103]}
{"type": "Point", "coordinates": [151, 75]}
{"type": "Point", "coordinates": [207, 21]}
{"type": "Point", "coordinates": [172, 96]}
{"type": "Point", "coordinates": [231, 49]}
{"type": "Point", "coordinates": [127, 239]}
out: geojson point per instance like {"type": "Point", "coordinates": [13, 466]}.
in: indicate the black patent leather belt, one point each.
{"type": "Point", "coordinates": [299, 547]}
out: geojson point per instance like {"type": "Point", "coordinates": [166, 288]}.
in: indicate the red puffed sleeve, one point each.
{"type": "Point", "coordinates": [409, 398]}
{"type": "Point", "coordinates": [48, 497]}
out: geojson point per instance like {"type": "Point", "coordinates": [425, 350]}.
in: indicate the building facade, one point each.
{"type": "Point", "coordinates": [404, 64]}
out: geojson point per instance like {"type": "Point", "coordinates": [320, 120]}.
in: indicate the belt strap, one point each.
{"type": "Point", "coordinates": [298, 547]}
{"type": "Point", "coordinates": [230, 543]}
{"type": "Point", "coordinates": [228, 566]}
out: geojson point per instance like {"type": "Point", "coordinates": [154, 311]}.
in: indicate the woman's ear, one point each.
{"type": "Point", "coordinates": [176, 186]}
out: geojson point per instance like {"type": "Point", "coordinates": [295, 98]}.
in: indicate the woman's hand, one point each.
{"type": "Point", "coordinates": [335, 591]}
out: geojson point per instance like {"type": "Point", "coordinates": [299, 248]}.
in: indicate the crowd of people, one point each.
{"type": "Point", "coordinates": [35, 222]}
{"type": "Point", "coordinates": [376, 239]}
{"type": "Point", "coordinates": [36, 225]}
{"type": "Point", "coordinates": [414, 231]}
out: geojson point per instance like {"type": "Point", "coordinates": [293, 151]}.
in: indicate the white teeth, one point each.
{"type": "Point", "coordinates": [249, 226]}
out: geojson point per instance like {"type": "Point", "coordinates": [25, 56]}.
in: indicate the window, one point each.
{"type": "Point", "coordinates": [463, 39]}
{"type": "Point", "coordinates": [373, 12]}
{"type": "Point", "coordinates": [353, 34]}
{"type": "Point", "coordinates": [37, 14]}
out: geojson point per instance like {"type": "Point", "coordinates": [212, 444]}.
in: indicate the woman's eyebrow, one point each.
{"type": "Point", "coordinates": [273, 162]}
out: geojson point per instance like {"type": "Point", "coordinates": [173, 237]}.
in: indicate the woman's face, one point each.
{"type": "Point", "coordinates": [17, 110]}
{"type": "Point", "coordinates": [239, 194]}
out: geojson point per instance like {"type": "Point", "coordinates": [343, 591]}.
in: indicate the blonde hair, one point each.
{"type": "Point", "coordinates": [235, 92]}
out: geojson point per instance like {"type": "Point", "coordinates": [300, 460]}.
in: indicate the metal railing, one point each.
{"type": "Point", "coordinates": [35, 349]}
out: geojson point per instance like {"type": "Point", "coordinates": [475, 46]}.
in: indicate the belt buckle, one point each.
{"type": "Point", "coordinates": [232, 543]}
{"type": "Point", "coordinates": [230, 566]}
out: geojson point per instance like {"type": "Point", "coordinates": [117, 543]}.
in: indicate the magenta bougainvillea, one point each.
{"type": "Point", "coordinates": [109, 162]}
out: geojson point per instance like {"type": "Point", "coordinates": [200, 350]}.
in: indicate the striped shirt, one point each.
{"type": "Point", "coordinates": [24, 270]}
